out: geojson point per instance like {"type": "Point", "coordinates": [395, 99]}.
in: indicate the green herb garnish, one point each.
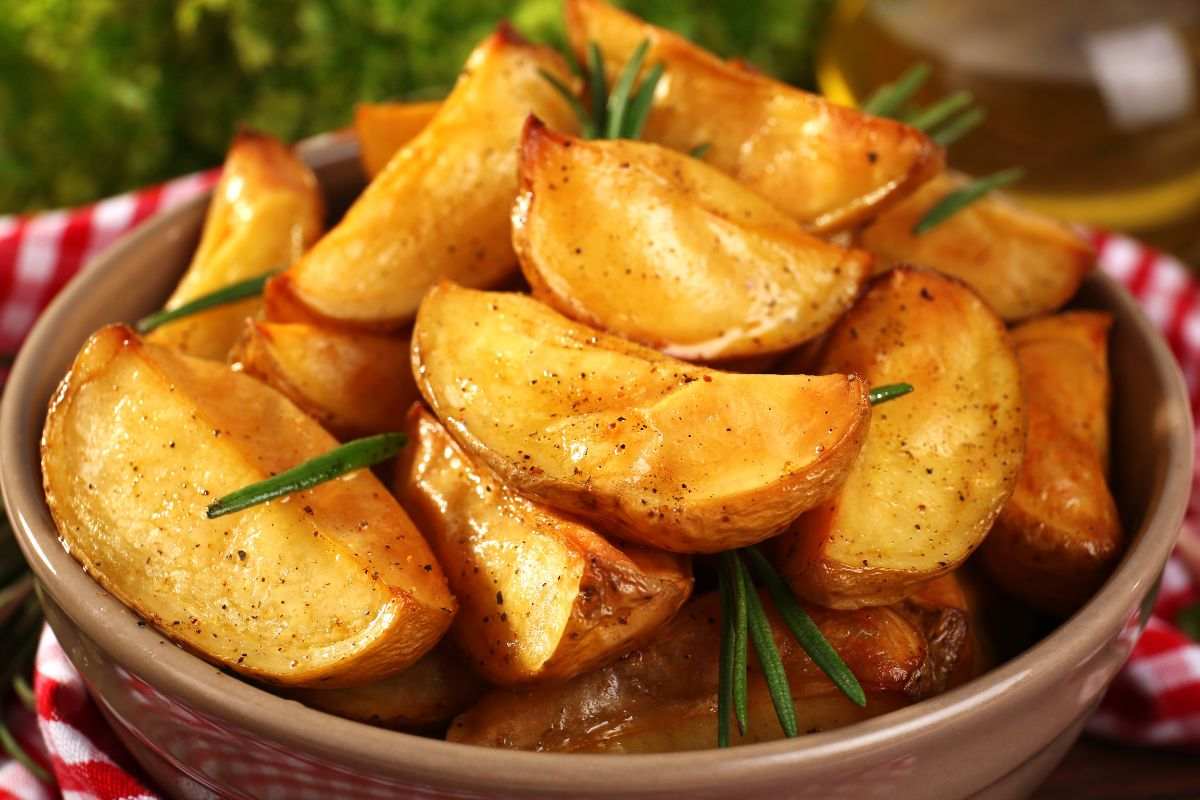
{"type": "Point", "coordinates": [890, 99]}
{"type": "Point", "coordinates": [252, 287]}
{"type": "Point", "coordinates": [744, 618]}
{"type": "Point", "coordinates": [351, 456]}
{"type": "Point", "coordinates": [24, 692]}
{"type": "Point", "coordinates": [931, 117]}
{"type": "Point", "coordinates": [890, 391]}
{"type": "Point", "coordinates": [621, 114]}
{"type": "Point", "coordinates": [959, 199]}
{"type": "Point", "coordinates": [699, 150]}
{"type": "Point", "coordinates": [21, 632]}
{"type": "Point", "coordinates": [958, 127]}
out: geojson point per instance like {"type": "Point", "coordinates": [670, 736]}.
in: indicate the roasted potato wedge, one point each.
{"type": "Point", "coordinates": [663, 697]}
{"type": "Point", "coordinates": [1059, 535]}
{"type": "Point", "coordinates": [266, 210]}
{"type": "Point", "coordinates": [702, 268]}
{"type": "Point", "coordinates": [383, 128]}
{"type": "Point", "coordinates": [543, 596]}
{"type": "Point", "coordinates": [353, 383]}
{"type": "Point", "coordinates": [332, 586]}
{"type": "Point", "coordinates": [1022, 263]}
{"type": "Point", "coordinates": [828, 166]}
{"type": "Point", "coordinates": [938, 464]}
{"type": "Point", "coordinates": [426, 695]}
{"type": "Point", "coordinates": [441, 206]}
{"type": "Point", "coordinates": [654, 450]}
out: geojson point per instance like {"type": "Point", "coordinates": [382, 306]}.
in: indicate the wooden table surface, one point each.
{"type": "Point", "coordinates": [1097, 770]}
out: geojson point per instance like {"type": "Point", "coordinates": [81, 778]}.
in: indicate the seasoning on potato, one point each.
{"type": "Point", "coordinates": [828, 166]}
{"type": "Point", "coordinates": [938, 464]}
{"type": "Point", "coordinates": [655, 450]}
{"type": "Point", "coordinates": [1059, 535]}
{"type": "Point", "coordinates": [333, 586]}
{"type": "Point", "coordinates": [542, 596]}
{"type": "Point", "coordinates": [265, 212]}
{"type": "Point", "coordinates": [662, 249]}
{"type": "Point", "coordinates": [440, 208]}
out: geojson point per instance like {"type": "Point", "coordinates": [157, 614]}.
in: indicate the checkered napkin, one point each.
{"type": "Point", "coordinates": [1154, 701]}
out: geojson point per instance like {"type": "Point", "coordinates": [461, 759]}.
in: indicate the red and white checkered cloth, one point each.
{"type": "Point", "coordinates": [1155, 700]}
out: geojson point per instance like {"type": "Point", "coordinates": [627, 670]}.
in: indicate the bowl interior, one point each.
{"type": "Point", "coordinates": [1152, 466]}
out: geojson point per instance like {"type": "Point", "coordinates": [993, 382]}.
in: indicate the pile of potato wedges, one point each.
{"type": "Point", "coordinates": [612, 359]}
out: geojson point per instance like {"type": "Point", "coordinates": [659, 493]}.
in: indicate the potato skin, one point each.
{"type": "Point", "coordinates": [266, 210]}
{"type": "Point", "coordinates": [426, 695]}
{"type": "Point", "coordinates": [383, 128]}
{"type": "Point", "coordinates": [938, 464]}
{"type": "Point", "coordinates": [1021, 263]}
{"type": "Point", "coordinates": [1059, 535]}
{"type": "Point", "coordinates": [140, 439]}
{"type": "Point", "coordinates": [441, 206]}
{"type": "Point", "coordinates": [663, 697]}
{"type": "Point", "coordinates": [543, 596]}
{"type": "Point", "coordinates": [654, 450]}
{"type": "Point", "coordinates": [353, 383]}
{"type": "Point", "coordinates": [701, 269]}
{"type": "Point", "coordinates": [828, 166]}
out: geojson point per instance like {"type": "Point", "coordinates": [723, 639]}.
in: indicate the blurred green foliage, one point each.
{"type": "Point", "coordinates": [99, 96]}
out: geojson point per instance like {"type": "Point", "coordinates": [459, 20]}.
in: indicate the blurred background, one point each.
{"type": "Point", "coordinates": [1096, 99]}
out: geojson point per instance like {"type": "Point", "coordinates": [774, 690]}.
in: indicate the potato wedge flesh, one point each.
{"type": "Point", "coordinates": [440, 209]}
{"type": "Point", "coordinates": [663, 696]}
{"type": "Point", "coordinates": [383, 128]}
{"type": "Point", "coordinates": [266, 210]}
{"type": "Point", "coordinates": [543, 596]}
{"type": "Point", "coordinates": [828, 166]}
{"type": "Point", "coordinates": [427, 694]}
{"type": "Point", "coordinates": [353, 383]}
{"type": "Point", "coordinates": [1059, 535]}
{"type": "Point", "coordinates": [140, 440]}
{"type": "Point", "coordinates": [661, 249]}
{"type": "Point", "coordinates": [657, 451]}
{"type": "Point", "coordinates": [1021, 263]}
{"type": "Point", "coordinates": [938, 464]}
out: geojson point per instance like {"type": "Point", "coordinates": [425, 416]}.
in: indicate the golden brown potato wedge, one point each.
{"type": "Point", "coordinates": [1022, 263]}
{"type": "Point", "coordinates": [662, 249]}
{"type": "Point", "coordinates": [266, 210]}
{"type": "Point", "coordinates": [383, 128]}
{"type": "Point", "coordinates": [543, 596]}
{"type": "Point", "coordinates": [1059, 535]}
{"type": "Point", "coordinates": [332, 586]}
{"type": "Point", "coordinates": [938, 464]}
{"type": "Point", "coordinates": [828, 166]}
{"type": "Point", "coordinates": [353, 383]}
{"type": "Point", "coordinates": [440, 209]}
{"type": "Point", "coordinates": [654, 450]}
{"type": "Point", "coordinates": [663, 697]}
{"type": "Point", "coordinates": [426, 695]}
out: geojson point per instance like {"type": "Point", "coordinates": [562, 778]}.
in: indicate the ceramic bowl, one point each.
{"type": "Point", "coordinates": [199, 732]}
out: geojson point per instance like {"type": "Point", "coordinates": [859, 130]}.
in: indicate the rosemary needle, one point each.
{"type": "Point", "coordinates": [804, 629]}
{"type": "Point", "coordinates": [618, 101]}
{"type": "Point", "coordinates": [929, 118]}
{"type": "Point", "coordinates": [228, 294]}
{"type": "Point", "coordinates": [890, 391]}
{"type": "Point", "coordinates": [958, 200]}
{"type": "Point", "coordinates": [597, 82]}
{"type": "Point", "coordinates": [731, 575]}
{"type": "Point", "coordinates": [768, 656]}
{"type": "Point", "coordinates": [585, 121]}
{"type": "Point", "coordinates": [725, 665]}
{"type": "Point", "coordinates": [351, 456]}
{"type": "Point", "coordinates": [639, 109]}
{"type": "Point", "coordinates": [891, 98]}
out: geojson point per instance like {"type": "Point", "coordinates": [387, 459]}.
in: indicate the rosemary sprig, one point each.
{"type": "Point", "coordinates": [959, 199]}
{"type": "Point", "coordinates": [932, 117]}
{"type": "Point", "coordinates": [804, 629]}
{"type": "Point", "coordinates": [768, 657]}
{"type": "Point", "coordinates": [251, 287]}
{"type": "Point", "coordinates": [958, 127]}
{"type": "Point", "coordinates": [890, 99]}
{"type": "Point", "coordinates": [890, 391]}
{"type": "Point", "coordinates": [351, 456]}
{"type": "Point", "coordinates": [737, 592]}
{"type": "Point", "coordinates": [621, 114]}
{"type": "Point", "coordinates": [699, 150]}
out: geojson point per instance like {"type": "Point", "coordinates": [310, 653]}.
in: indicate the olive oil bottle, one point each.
{"type": "Point", "coordinates": [1099, 100]}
